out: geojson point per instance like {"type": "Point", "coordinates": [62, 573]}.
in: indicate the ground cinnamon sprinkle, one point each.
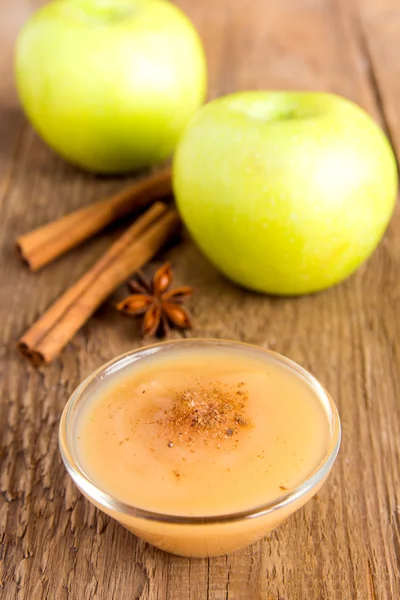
{"type": "Point", "coordinates": [208, 414]}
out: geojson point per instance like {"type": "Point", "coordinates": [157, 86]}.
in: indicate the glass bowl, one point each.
{"type": "Point", "coordinates": [196, 536]}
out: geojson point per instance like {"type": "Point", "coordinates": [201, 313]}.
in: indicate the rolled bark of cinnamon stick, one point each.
{"type": "Point", "coordinates": [46, 338]}
{"type": "Point", "coordinates": [44, 244]}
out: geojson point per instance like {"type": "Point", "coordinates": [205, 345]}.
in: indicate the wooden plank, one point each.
{"type": "Point", "coordinates": [345, 543]}
{"type": "Point", "coordinates": [379, 24]}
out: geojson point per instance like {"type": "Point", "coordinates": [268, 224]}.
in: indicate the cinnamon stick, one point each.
{"type": "Point", "coordinates": [43, 245]}
{"type": "Point", "coordinates": [45, 339]}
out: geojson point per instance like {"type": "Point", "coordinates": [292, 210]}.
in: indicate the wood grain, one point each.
{"type": "Point", "coordinates": [345, 544]}
{"type": "Point", "coordinates": [379, 27]}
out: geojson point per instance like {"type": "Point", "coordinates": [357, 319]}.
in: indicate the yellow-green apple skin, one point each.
{"type": "Point", "coordinates": [285, 192]}
{"type": "Point", "coordinates": [110, 84]}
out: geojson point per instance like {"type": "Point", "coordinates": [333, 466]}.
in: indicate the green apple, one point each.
{"type": "Point", "coordinates": [285, 192]}
{"type": "Point", "coordinates": [110, 84]}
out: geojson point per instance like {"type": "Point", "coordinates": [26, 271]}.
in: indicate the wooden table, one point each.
{"type": "Point", "coordinates": [345, 544]}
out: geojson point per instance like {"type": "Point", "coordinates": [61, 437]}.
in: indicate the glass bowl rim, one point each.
{"type": "Point", "coordinates": [108, 502]}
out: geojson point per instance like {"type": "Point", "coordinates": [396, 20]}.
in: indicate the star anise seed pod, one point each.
{"type": "Point", "coordinates": [159, 306]}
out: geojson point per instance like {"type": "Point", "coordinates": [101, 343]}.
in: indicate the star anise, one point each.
{"type": "Point", "coordinates": [159, 306]}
